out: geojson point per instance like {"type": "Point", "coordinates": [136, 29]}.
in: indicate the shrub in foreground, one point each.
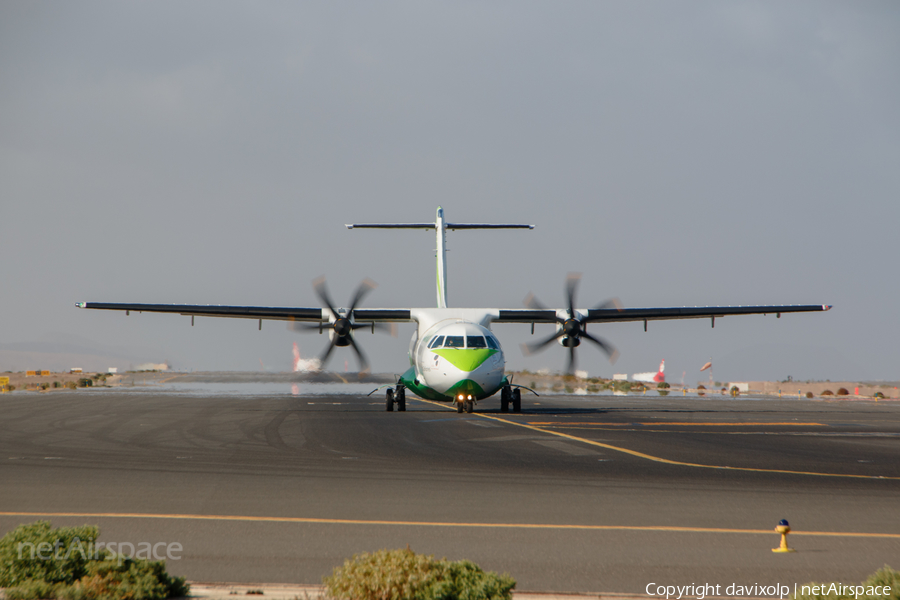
{"type": "Point", "coordinates": [37, 562]}
{"type": "Point", "coordinates": [405, 575]}
{"type": "Point", "coordinates": [884, 576]}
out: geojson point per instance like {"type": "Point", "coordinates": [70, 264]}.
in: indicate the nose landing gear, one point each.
{"type": "Point", "coordinates": [463, 405]}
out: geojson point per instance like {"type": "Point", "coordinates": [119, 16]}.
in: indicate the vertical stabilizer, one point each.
{"type": "Point", "coordinates": [440, 227]}
{"type": "Point", "coordinates": [441, 253]}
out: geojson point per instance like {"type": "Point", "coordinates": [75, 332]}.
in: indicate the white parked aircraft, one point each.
{"type": "Point", "coordinates": [453, 354]}
{"type": "Point", "coordinates": [651, 377]}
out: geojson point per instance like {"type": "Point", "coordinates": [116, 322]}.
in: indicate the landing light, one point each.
{"type": "Point", "coordinates": [470, 397]}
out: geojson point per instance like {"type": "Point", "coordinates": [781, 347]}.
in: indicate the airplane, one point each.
{"type": "Point", "coordinates": [453, 354]}
{"type": "Point", "coordinates": [650, 377]}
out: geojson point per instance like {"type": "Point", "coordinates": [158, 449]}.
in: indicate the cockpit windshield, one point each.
{"type": "Point", "coordinates": [475, 341]}
{"type": "Point", "coordinates": [492, 343]}
{"type": "Point", "coordinates": [454, 341]}
{"type": "Point", "coordinates": [437, 342]}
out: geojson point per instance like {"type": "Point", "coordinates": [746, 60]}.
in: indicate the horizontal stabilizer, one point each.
{"type": "Point", "coordinates": [432, 226]}
{"type": "Point", "coordinates": [390, 226]}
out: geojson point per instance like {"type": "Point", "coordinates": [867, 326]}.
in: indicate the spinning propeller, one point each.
{"type": "Point", "coordinates": [341, 322]}
{"type": "Point", "coordinates": [571, 329]}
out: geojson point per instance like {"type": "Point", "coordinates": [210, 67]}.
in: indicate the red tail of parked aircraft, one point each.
{"type": "Point", "coordinates": [651, 377]}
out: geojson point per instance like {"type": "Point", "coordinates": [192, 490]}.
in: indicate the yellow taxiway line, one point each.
{"type": "Point", "coordinates": [658, 459]}
{"type": "Point", "coordinates": [545, 526]}
{"type": "Point", "coordinates": [664, 423]}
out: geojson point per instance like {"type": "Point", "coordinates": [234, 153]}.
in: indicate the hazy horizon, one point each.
{"type": "Point", "coordinates": [681, 154]}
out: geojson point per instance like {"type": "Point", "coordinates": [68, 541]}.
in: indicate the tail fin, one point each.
{"type": "Point", "coordinates": [661, 374]}
{"type": "Point", "coordinates": [440, 228]}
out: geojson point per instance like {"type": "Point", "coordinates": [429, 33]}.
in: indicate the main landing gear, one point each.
{"type": "Point", "coordinates": [508, 395]}
{"type": "Point", "coordinates": [395, 396]}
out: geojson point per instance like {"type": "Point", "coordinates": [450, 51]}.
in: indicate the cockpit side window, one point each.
{"type": "Point", "coordinates": [436, 342]}
{"type": "Point", "coordinates": [454, 341]}
{"type": "Point", "coordinates": [492, 343]}
{"type": "Point", "coordinates": [475, 341]}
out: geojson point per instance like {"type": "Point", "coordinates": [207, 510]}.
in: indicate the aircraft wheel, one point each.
{"type": "Point", "coordinates": [401, 400]}
{"type": "Point", "coordinates": [459, 407]}
{"type": "Point", "coordinates": [517, 400]}
{"type": "Point", "coordinates": [470, 406]}
{"type": "Point", "coordinates": [504, 400]}
{"type": "Point", "coordinates": [389, 400]}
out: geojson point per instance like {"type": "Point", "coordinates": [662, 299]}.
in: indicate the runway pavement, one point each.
{"type": "Point", "coordinates": [578, 493]}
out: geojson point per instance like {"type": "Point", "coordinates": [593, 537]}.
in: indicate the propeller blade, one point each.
{"type": "Point", "coordinates": [324, 358]}
{"type": "Point", "coordinates": [306, 327]}
{"type": "Point", "coordinates": [572, 280]}
{"type": "Point", "coordinates": [364, 288]}
{"type": "Point", "coordinates": [389, 328]}
{"type": "Point", "coordinates": [363, 363]}
{"type": "Point", "coordinates": [533, 303]}
{"type": "Point", "coordinates": [528, 349]}
{"type": "Point", "coordinates": [322, 292]}
{"type": "Point", "coordinates": [570, 366]}
{"type": "Point", "coordinates": [610, 350]}
{"type": "Point", "coordinates": [611, 303]}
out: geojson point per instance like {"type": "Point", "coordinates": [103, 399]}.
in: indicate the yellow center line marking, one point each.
{"type": "Point", "coordinates": [666, 461]}
{"type": "Point", "coordinates": [664, 423]}
{"type": "Point", "coordinates": [315, 521]}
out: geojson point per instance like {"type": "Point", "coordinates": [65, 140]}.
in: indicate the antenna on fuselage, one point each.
{"type": "Point", "coordinates": [440, 227]}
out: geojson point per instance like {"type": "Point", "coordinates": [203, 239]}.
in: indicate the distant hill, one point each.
{"type": "Point", "coordinates": [68, 352]}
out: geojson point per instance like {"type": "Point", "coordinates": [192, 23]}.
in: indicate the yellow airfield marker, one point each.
{"type": "Point", "coordinates": [783, 528]}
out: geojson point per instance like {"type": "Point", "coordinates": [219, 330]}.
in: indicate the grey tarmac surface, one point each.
{"type": "Point", "coordinates": [577, 494]}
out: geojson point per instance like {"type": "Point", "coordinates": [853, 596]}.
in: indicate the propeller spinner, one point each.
{"type": "Point", "coordinates": [572, 328]}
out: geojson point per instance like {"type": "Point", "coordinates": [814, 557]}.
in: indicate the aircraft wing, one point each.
{"type": "Point", "coordinates": [606, 315]}
{"type": "Point", "coordinates": [253, 312]}
{"type": "Point", "coordinates": [216, 310]}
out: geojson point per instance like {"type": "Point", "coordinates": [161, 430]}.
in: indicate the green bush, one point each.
{"type": "Point", "coordinates": [85, 382]}
{"type": "Point", "coordinates": [828, 393]}
{"type": "Point", "coordinates": [33, 590]}
{"type": "Point", "coordinates": [879, 395]}
{"type": "Point", "coordinates": [405, 575]}
{"type": "Point", "coordinates": [21, 549]}
{"type": "Point", "coordinates": [843, 392]}
{"type": "Point", "coordinates": [662, 385]}
{"type": "Point", "coordinates": [885, 576]}
{"type": "Point", "coordinates": [37, 562]}
{"type": "Point", "coordinates": [621, 385]}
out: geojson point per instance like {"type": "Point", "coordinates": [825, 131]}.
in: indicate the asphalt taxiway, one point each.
{"type": "Point", "coordinates": [577, 493]}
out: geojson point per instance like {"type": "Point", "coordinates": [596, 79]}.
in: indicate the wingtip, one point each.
{"type": "Point", "coordinates": [826, 307]}
{"type": "Point", "coordinates": [80, 304]}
